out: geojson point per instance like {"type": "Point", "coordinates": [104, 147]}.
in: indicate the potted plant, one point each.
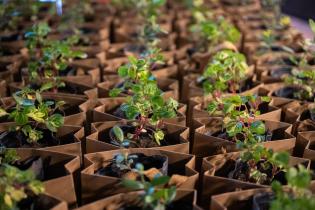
{"type": "Point", "coordinates": [207, 36]}
{"type": "Point", "coordinates": [295, 195]}
{"type": "Point", "coordinates": [49, 59]}
{"type": "Point", "coordinates": [227, 72]}
{"type": "Point", "coordinates": [21, 190]}
{"type": "Point", "coordinates": [39, 123]}
{"type": "Point", "coordinates": [237, 118]}
{"type": "Point", "coordinates": [111, 167]}
{"type": "Point", "coordinates": [230, 172]}
{"type": "Point", "coordinates": [33, 118]}
{"type": "Point", "coordinates": [149, 64]}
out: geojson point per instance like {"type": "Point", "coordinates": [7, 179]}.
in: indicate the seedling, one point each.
{"type": "Point", "coordinates": [146, 104]}
{"type": "Point", "coordinates": [210, 33]}
{"type": "Point", "coordinates": [32, 113]}
{"type": "Point", "coordinates": [296, 195]}
{"type": "Point", "coordinates": [224, 73]}
{"type": "Point", "coordinates": [239, 113]}
{"type": "Point", "coordinates": [155, 196]}
{"type": "Point", "coordinates": [268, 43]}
{"type": "Point", "coordinates": [263, 164]}
{"type": "Point", "coordinates": [304, 80]}
{"type": "Point", "coordinates": [124, 161]}
{"type": "Point", "coordinates": [16, 185]}
{"type": "Point", "coordinates": [49, 57]}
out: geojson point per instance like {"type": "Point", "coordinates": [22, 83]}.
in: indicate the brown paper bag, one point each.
{"type": "Point", "coordinates": [103, 186]}
{"type": "Point", "coordinates": [214, 185]}
{"type": "Point", "coordinates": [110, 203]}
{"type": "Point", "coordinates": [66, 134]}
{"type": "Point", "coordinates": [205, 145]}
{"type": "Point", "coordinates": [59, 170]}
{"type": "Point", "coordinates": [240, 199]}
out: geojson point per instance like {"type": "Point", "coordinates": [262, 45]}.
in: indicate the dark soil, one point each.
{"type": "Point", "coordinates": [36, 203]}
{"type": "Point", "coordinates": [182, 205]}
{"type": "Point", "coordinates": [145, 140]}
{"type": "Point", "coordinates": [117, 112]}
{"type": "Point", "coordinates": [71, 89]}
{"type": "Point", "coordinates": [13, 139]}
{"type": "Point", "coordinates": [307, 114]}
{"type": "Point", "coordinates": [281, 72]}
{"type": "Point", "coordinates": [154, 161]}
{"type": "Point", "coordinates": [169, 139]}
{"type": "Point", "coordinates": [236, 169]}
{"type": "Point", "coordinates": [288, 92]}
{"type": "Point", "coordinates": [262, 201]}
{"type": "Point", "coordinates": [223, 134]}
{"type": "Point", "coordinates": [10, 37]}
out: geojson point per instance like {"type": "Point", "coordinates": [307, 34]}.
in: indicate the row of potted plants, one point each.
{"type": "Point", "coordinates": [138, 104]}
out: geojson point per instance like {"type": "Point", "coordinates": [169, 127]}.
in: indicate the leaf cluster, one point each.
{"type": "Point", "coordinates": [156, 196]}
{"type": "Point", "coordinates": [32, 112]}
{"type": "Point", "coordinates": [268, 161]}
{"type": "Point", "coordinates": [296, 196]}
{"type": "Point", "coordinates": [224, 73]}
{"type": "Point", "coordinates": [48, 57]}
{"type": "Point", "coordinates": [16, 185]}
{"type": "Point", "coordinates": [212, 32]}
{"type": "Point", "coordinates": [239, 113]}
{"type": "Point", "coordinates": [124, 161]}
{"type": "Point", "coordinates": [304, 79]}
{"type": "Point", "coordinates": [146, 103]}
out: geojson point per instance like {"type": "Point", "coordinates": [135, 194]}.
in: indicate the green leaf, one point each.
{"type": "Point", "coordinates": [281, 158]}
{"type": "Point", "coordinates": [157, 100]}
{"type": "Point", "coordinates": [158, 136]}
{"type": "Point", "coordinates": [60, 104]}
{"type": "Point", "coordinates": [20, 118]}
{"type": "Point", "coordinates": [39, 97]}
{"type": "Point", "coordinates": [3, 112]}
{"type": "Point", "coordinates": [115, 92]}
{"type": "Point", "coordinates": [312, 25]}
{"type": "Point", "coordinates": [160, 180]}
{"type": "Point", "coordinates": [46, 86]}
{"type": "Point", "coordinates": [123, 71]}
{"type": "Point", "coordinates": [265, 99]}
{"type": "Point", "coordinates": [54, 122]}
{"type": "Point", "coordinates": [119, 134]}
{"type": "Point", "coordinates": [258, 127]}
{"type": "Point", "coordinates": [133, 60]}
{"type": "Point", "coordinates": [37, 115]}
{"type": "Point", "coordinates": [133, 185]}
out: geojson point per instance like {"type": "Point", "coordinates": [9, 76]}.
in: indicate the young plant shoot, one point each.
{"type": "Point", "coordinates": [16, 185]}
{"type": "Point", "coordinates": [224, 73]}
{"type": "Point", "coordinates": [296, 195]}
{"type": "Point", "coordinates": [145, 103]}
{"type": "Point", "coordinates": [210, 33]}
{"type": "Point", "coordinates": [32, 114]}
{"type": "Point", "coordinates": [239, 113]}
{"type": "Point", "coordinates": [155, 195]}
{"type": "Point", "coordinates": [49, 57]}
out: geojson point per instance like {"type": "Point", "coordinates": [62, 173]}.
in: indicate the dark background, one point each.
{"type": "Point", "coordinates": [304, 9]}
